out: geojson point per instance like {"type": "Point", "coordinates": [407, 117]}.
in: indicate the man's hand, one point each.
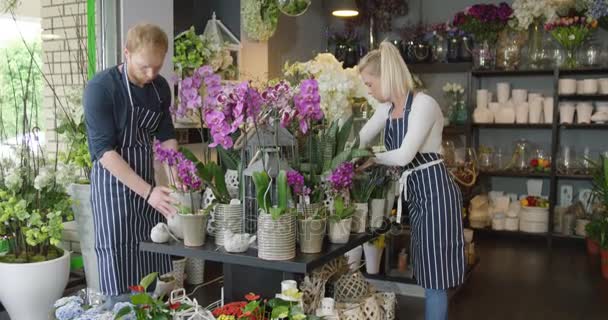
{"type": "Point", "coordinates": [367, 164]}
{"type": "Point", "coordinates": [161, 200]}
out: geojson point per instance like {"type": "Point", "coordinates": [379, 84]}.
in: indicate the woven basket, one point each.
{"type": "Point", "coordinates": [351, 288]}
{"type": "Point", "coordinates": [179, 268]}
{"type": "Point", "coordinates": [351, 311]}
{"type": "Point", "coordinates": [195, 269]}
{"type": "Point", "coordinates": [388, 301]}
{"type": "Point", "coordinates": [372, 308]}
{"type": "Point", "coordinates": [276, 238]}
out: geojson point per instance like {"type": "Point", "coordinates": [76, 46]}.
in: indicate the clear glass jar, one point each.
{"type": "Point", "coordinates": [520, 159]}
{"type": "Point", "coordinates": [590, 55]}
{"type": "Point", "coordinates": [439, 48]}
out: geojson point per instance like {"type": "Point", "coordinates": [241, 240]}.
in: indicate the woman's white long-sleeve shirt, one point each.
{"type": "Point", "coordinates": [424, 131]}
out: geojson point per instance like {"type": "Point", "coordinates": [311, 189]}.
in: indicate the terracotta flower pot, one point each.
{"type": "Point", "coordinates": [604, 255]}
{"type": "Point", "coordinates": [593, 247]}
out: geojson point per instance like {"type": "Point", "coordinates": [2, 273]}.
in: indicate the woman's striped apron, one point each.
{"type": "Point", "coordinates": [435, 207]}
{"type": "Point", "coordinates": [122, 218]}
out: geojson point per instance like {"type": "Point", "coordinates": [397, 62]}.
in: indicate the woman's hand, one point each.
{"type": "Point", "coordinates": [370, 162]}
{"type": "Point", "coordinates": [161, 200]}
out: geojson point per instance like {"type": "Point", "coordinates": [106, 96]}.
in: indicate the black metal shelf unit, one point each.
{"type": "Point", "coordinates": [553, 175]}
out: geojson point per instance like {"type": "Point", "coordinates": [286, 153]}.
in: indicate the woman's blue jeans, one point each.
{"type": "Point", "coordinates": [436, 305]}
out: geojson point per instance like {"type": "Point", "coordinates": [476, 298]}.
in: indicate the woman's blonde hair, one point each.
{"type": "Point", "coordinates": [146, 35]}
{"type": "Point", "coordinates": [386, 63]}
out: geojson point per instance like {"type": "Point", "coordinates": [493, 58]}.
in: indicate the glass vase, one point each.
{"type": "Point", "coordinates": [453, 49]}
{"type": "Point", "coordinates": [459, 113]}
{"type": "Point", "coordinates": [535, 46]}
{"type": "Point", "coordinates": [484, 56]}
{"type": "Point", "coordinates": [465, 49]}
{"type": "Point", "coordinates": [439, 48]}
{"type": "Point", "coordinates": [570, 61]}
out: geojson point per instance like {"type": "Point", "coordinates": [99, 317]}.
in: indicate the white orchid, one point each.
{"type": "Point", "coordinates": [527, 12]}
{"type": "Point", "coordinates": [336, 84]}
{"type": "Point", "coordinates": [45, 178]}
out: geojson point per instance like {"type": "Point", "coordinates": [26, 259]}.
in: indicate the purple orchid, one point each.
{"type": "Point", "coordinates": [296, 181]}
{"type": "Point", "coordinates": [341, 179]}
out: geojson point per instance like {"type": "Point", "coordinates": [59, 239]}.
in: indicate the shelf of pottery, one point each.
{"type": "Point", "coordinates": [563, 207]}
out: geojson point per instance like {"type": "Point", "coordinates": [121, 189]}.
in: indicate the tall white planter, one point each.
{"type": "Point", "coordinates": [360, 218]}
{"type": "Point", "coordinates": [377, 213]}
{"type": "Point", "coordinates": [28, 290]}
{"type": "Point", "coordinates": [354, 258]}
{"type": "Point", "coordinates": [83, 215]}
{"type": "Point", "coordinates": [373, 256]}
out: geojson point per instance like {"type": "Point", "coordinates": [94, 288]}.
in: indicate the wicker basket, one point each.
{"type": "Point", "coordinates": [351, 288]}
{"type": "Point", "coordinates": [351, 311]}
{"type": "Point", "coordinates": [179, 268]}
{"type": "Point", "coordinates": [372, 308]}
{"type": "Point", "coordinates": [276, 238]}
{"type": "Point", "coordinates": [388, 301]}
{"type": "Point", "coordinates": [195, 269]}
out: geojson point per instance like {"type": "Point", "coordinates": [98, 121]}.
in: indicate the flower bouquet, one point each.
{"type": "Point", "coordinates": [484, 22]}
{"type": "Point", "coordinates": [454, 93]}
{"type": "Point", "coordinates": [598, 10]}
{"type": "Point", "coordinates": [571, 32]}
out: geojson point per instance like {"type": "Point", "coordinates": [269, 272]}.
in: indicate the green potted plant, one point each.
{"type": "Point", "coordinates": [223, 210]}
{"type": "Point", "coordinates": [363, 186]}
{"type": "Point", "coordinates": [34, 203]}
{"type": "Point", "coordinates": [340, 221]}
{"type": "Point", "coordinates": [377, 206]}
{"type": "Point", "coordinates": [593, 230]}
{"type": "Point", "coordinates": [312, 222]}
{"type": "Point", "coordinates": [276, 223]}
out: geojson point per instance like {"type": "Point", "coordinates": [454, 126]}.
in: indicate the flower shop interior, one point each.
{"type": "Point", "coordinates": [277, 215]}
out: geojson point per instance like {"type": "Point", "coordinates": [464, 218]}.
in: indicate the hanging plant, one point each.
{"type": "Point", "coordinates": [260, 18]}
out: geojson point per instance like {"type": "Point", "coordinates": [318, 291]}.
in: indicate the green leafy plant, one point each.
{"type": "Point", "coordinates": [282, 309]}
{"type": "Point", "coordinates": [212, 176]}
{"type": "Point", "coordinates": [342, 211]}
{"type": "Point", "coordinates": [365, 184]}
{"type": "Point", "coordinates": [262, 187]}
{"type": "Point", "coordinates": [260, 18]}
{"type": "Point", "coordinates": [191, 51]}
{"type": "Point", "coordinates": [33, 199]}
{"type": "Point", "coordinates": [145, 306]}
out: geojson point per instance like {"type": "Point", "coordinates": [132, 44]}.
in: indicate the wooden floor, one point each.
{"type": "Point", "coordinates": [522, 279]}
{"type": "Point", "coordinates": [517, 279]}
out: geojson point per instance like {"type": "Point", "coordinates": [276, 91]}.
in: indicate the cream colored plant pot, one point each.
{"type": "Point", "coordinates": [377, 213]}
{"type": "Point", "coordinates": [360, 218]}
{"type": "Point", "coordinates": [276, 238]}
{"type": "Point", "coordinates": [194, 227]}
{"type": "Point", "coordinates": [28, 290]}
{"type": "Point", "coordinates": [339, 232]}
{"type": "Point", "coordinates": [373, 258]}
{"type": "Point", "coordinates": [311, 233]}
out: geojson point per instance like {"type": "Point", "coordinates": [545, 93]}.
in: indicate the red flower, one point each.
{"type": "Point", "coordinates": [174, 306]}
{"type": "Point", "coordinates": [534, 162]}
{"type": "Point", "coordinates": [137, 288]}
{"type": "Point", "coordinates": [252, 296]}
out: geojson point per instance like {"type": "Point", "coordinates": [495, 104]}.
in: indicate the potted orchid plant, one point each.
{"type": "Point", "coordinates": [340, 221]}
{"type": "Point", "coordinates": [276, 222]}
{"type": "Point", "coordinates": [311, 219]}
{"type": "Point", "coordinates": [363, 188]}
{"type": "Point", "coordinates": [187, 185]}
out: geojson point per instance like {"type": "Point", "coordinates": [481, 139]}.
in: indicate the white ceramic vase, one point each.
{"type": "Point", "coordinates": [377, 213]}
{"type": "Point", "coordinates": [29, 290]}
{"type": "Point", "coordinates": [373, 258]}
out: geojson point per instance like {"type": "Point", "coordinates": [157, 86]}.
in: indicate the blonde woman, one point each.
{"type": "Point", "coordinates": [413, 123]}
{"type": "Point", "coordinates": [126, 107]}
